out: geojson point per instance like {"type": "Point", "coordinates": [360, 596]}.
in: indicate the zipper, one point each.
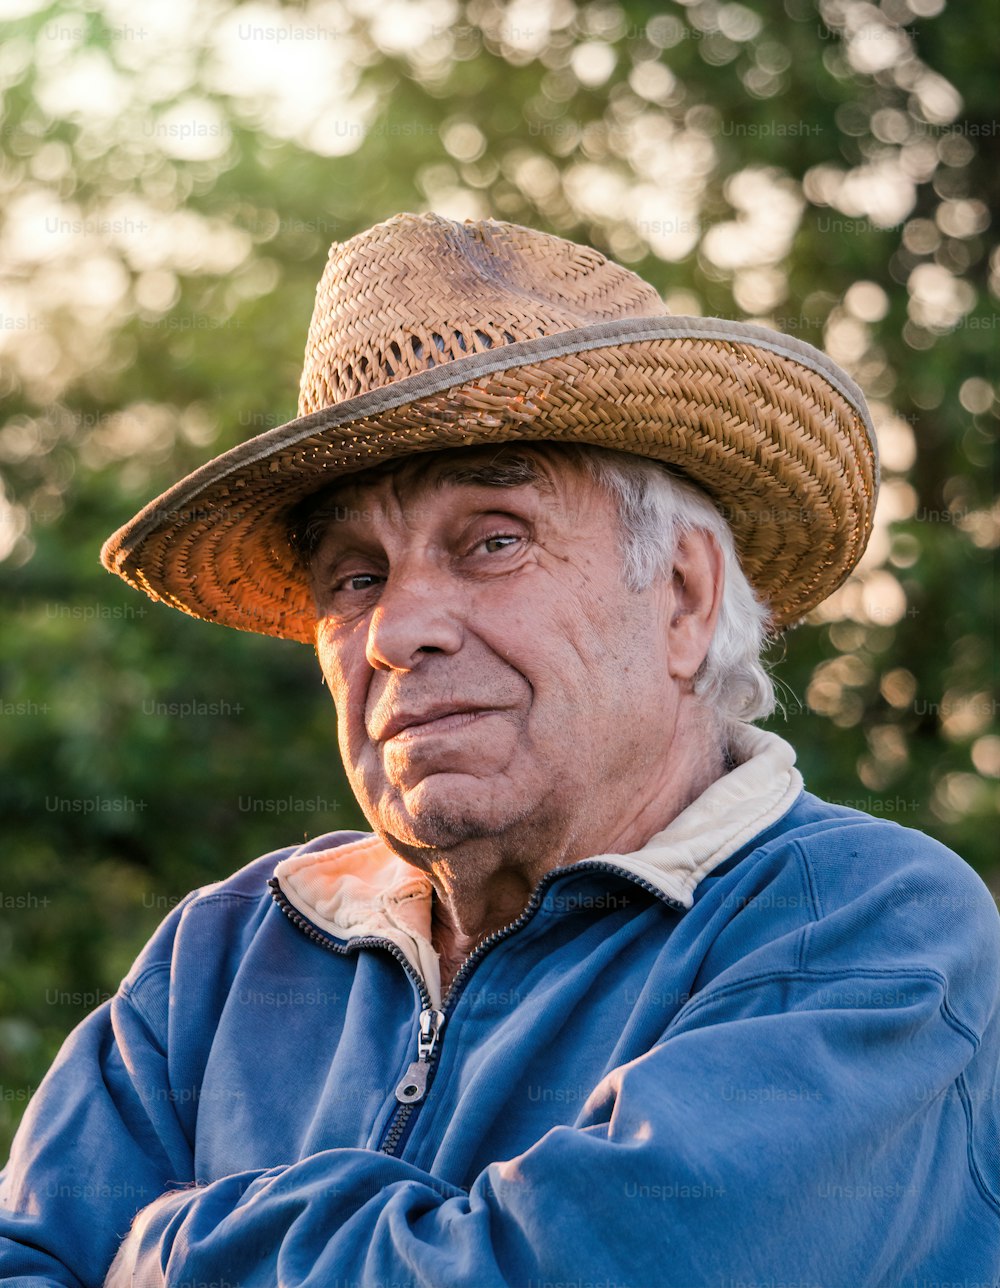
{"type": "Point", "coordinates": [413, 1085]}
{"type": "Point", "coordinates": [412, 1088]}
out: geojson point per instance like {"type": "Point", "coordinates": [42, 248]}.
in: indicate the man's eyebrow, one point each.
{"type": "Point", "coordinates": [510, 471]}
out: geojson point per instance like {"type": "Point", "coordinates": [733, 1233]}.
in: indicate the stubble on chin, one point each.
{"type": "Point", "coordinates": [435, 822]}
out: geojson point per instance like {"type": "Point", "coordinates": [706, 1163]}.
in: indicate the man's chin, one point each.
{"type": "Point", "coordinates": [442, 811]}
{"type": "Point", "coordinates": [442, 831]}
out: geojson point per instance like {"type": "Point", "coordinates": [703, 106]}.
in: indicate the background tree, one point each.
{"type": "Point", "coordinates": [172, 175]}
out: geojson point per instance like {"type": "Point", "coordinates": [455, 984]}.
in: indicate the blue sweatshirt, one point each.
{"type": "Point", "coordinates": [771, 1060]}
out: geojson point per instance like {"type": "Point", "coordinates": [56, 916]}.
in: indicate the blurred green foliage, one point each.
{"type": "Point", "coordinates": [829, 169]}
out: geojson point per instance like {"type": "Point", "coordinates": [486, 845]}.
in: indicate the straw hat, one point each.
{"type": "Point", "coordinates": [430, 334]}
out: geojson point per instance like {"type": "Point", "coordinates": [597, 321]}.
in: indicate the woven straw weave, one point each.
{"type": "Point", "coordinates": [389, 306]}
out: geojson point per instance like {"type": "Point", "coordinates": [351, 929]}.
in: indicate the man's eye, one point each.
{"type": "Point", "coordinates": [498, 536]}
{"type": "Point", "coordinates": [350, 583]}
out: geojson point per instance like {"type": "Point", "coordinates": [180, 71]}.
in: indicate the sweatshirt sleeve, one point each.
{"type": "Point", "coordinates": [99, 1141]}
{"type": "Point", "coordinates": [112, 1124]}
{"type": "Point", "coordinates": [787, 1129]}
{"type": "Point", "coordinates": [101, 1138]}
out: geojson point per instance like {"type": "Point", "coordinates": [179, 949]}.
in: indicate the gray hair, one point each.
{"type": "Point", "coordinates": [656, 508]}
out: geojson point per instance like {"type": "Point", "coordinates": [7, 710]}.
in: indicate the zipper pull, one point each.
{"type": "Point", "coordinates": [414, 1083]}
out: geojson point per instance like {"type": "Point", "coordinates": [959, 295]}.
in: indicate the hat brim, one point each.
{"type": "Point", "coordinates": [777, 434]}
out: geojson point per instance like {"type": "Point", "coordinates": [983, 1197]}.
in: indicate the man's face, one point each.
{"type": "Point", "coordinates": [502, 612]}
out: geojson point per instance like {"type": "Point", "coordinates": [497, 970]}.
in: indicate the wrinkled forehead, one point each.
{"type": "Point", "coordinates": [544, 466]}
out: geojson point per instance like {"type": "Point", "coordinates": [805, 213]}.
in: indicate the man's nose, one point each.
{"type": "Point", "coordinates": [418, 611]}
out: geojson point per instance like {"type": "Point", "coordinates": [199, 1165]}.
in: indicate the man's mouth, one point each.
{"type": "Point", "coordinates": [419, 724]}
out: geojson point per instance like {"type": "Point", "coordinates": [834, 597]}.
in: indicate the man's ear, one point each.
{"type": "Point", "coordinates": [697, 580]}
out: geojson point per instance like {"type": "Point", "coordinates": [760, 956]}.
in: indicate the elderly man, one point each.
{"type": "Point", "coordinates": [606, 997]}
